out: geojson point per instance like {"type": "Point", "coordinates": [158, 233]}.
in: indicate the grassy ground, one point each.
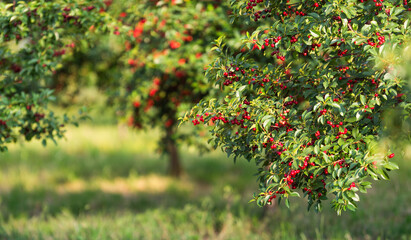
{"type": "Point", "coordinates": [108, 183]}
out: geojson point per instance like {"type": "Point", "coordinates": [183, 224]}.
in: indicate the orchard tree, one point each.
{"type": "Point", "coordinates": [168, 47]}
{"type": "Point", "coordinates": [34, 37]}
{"type": "Point", "coordinates": [305, 100]}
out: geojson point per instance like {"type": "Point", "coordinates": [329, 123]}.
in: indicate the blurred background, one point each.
{"type": "Point", "coordinates": [129, 172]}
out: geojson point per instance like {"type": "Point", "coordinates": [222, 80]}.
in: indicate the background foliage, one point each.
{"type": "Point", "coordinates": [35, 36]}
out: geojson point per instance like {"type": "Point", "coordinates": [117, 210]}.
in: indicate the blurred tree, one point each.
{"type": "Point", "coordinates": [168, 50]}
{"type": "Point", "coordinates": [34, 36]}
{"type": "Point", "coordinates": [154, 72]}
{"type": "Point", "coordinates": [398, 119]}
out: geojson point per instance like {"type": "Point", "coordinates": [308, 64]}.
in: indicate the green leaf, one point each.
{"type": "Point", "coordinates": [347, 13]}
{"type": "Point", "coordinates": [366, 29]}
{"type": "Point", "coordinates": [336, 105]}
{"type": "Point", "coordinates": [358, 115]}
{"type": "Point", "coordinates": [316, 149]}
{"type": "Point", "coordinates": [384, 175]}
{"type": "Point", "coordinates": [321, 119]}
{"type": "Point", "coordinates": [352, 119]}
{"type": "Point", "coordinates": [345, 22]}
{"type": "Point", "coordinates": [326, 157]}
{"type": "Point", "coordinates": [267, 120]}
{"type": "Point", "coordinates": [287, 203]}
{"type": "Point", "coordinates": [351, 207]}
{"type": "Point", "coordinates": [391, 166]}
{"type": "Point", "coordinates": [356, 197]}
{"type": "Point", "coordinates": [314, 15]}
{"type": "Point", "coordinates": [396, 10]}
{"type": "Point", "coordinates": [325, 84]}
{"type": "Point", "coordinates": [362, 99]}
{"type": "Point", "coordinates": [316, 106]}
{"type": "Point", "coordinates": [315, 33]}
{"type": "Point", "coordinates": [320, 98]}
{"type": "Point", "coordinates": [377, 101]}
{"type": "Point", "coordinates": [239, 92]}
{"type": "Point", "coordinates": [297, 133]}
{"type": "Point", "coordinates": [355, 133]}
{"type": "Point", "coordinates": [294, 194]}
{"type": "Point", "coordinates": [13, 18]}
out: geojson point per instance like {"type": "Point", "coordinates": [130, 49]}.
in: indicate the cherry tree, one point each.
{"type": "Point", "coordinates": [305, 99]}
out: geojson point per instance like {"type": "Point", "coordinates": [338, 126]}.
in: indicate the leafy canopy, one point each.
{"type": "Point", "coordinates": [304, 98]}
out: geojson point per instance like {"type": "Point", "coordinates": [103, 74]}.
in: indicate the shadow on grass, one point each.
{"type": "Point", "coordinates": [95, 163]}
{"type": "Point", "coordinates": [34, 186]}
{"type": "Point", "coordinates": [20, 202]}
{"type": "Point", "coordinates": [85, 165]}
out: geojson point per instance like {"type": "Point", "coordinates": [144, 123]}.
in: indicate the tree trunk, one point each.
{"type": "Point", "coordinates": [174, 167]}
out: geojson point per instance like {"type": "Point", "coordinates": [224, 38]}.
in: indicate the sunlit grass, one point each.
{"type": "Point", "coordinates": [103, 138]}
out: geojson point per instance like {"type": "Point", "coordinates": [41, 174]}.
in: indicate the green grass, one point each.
{"type": "Point", "coordinates": [105, 182]}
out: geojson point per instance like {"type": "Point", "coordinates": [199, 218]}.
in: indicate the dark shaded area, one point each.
{"type": "Point", "coordinates": [22, 202]}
